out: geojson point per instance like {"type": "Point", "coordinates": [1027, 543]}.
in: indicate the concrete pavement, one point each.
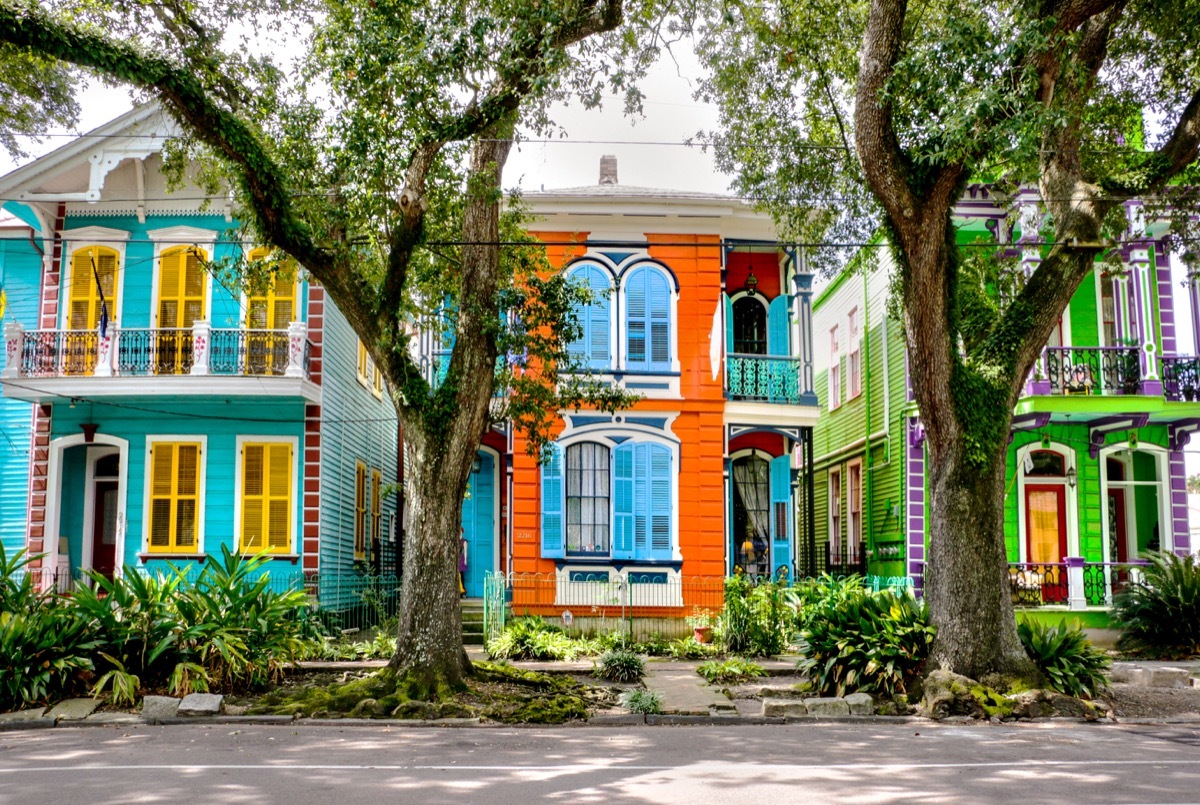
{"type": "Point", "coordinates": [870, 762]}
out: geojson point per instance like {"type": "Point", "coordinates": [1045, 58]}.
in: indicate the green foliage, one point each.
{"type": "Point", "coordinates": [1161, 613]}
{"type": "Point", "coordinates": [809, 597]}
{"type": "Point", "coordinates": [688, 648]}
{"type": "Point", "coordinates": [47, 655]}
{"type": "Point", "coordinates": [532, 638]}
{"type": "Point", "coordinates": [871, 642]}
{"type": "Point", "coordinates": [1067, 660]}
{"type": "Point", "coordinates": [756, 620]}
{"type": "Point", "coordinates": [619, 666]}
{"type": "Point", "coordinates": [18, 588]}
{"type": "Point", "coordinates": [732, 670]}
{"type": "Point", "coordinates": [647, 702]}
{"type": "Point", "coordinates": [138, 632]}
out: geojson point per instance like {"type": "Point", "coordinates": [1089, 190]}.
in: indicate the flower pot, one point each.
{"type": "Point", "coordinates": [703, 634]}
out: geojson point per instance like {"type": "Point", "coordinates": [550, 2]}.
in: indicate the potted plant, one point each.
{"type": "Point", "coordinates": [701, 621]}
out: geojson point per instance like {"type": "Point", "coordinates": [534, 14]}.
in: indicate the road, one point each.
{"type": "Point", "coordinates": [869, 763]}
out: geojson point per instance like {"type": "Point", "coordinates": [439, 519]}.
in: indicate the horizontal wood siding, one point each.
{"type": "Point", "coordinates": [20, 268]}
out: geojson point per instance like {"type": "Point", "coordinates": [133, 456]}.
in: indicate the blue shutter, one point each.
{"type": "Point", "coordinates": [635, 321]}
{"type": "Point", "coordinates": [728, 323]}
{"type": "Point", "coordinates": [778, 326]}
{"type": "Point", "coordinates": [597, 325]}
{"type": "Point", "coordinates": [781, 515]}
{"type": "Point", "coordinates": [552, 505]}
{"type": "Point", "coordinates": [658, 302]}
{"type": "Point", "coordinates": [660, 502]}
{"type": "Point", "coordinates": [641, 501]}
{"type": "Point", "coordinates": [622, 461]}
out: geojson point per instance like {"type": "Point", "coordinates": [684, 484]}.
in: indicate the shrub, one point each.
{"type": "Point", "coordinates": [648, 702]}
{"type": "Point", "coordinates": [874, 642]}
{"type": "Point", "coordinates": [688, 648]}
{"type": "Point", "coordinates": [1161, 614]}
{"type": "Point", "coordinates": [730, 671]}
{"type": "Point", "coordinates": [808, 597]}
{"type": "Point", "coordinates": [620, 666]}
{"type": "Point", "coordinates": [1066, 659]}
{"type": "Point", "coordinates": [18, 590]}
{"type": "Point", "coordinates": [47, 654]}
{"type": "Point", "coordinates": [532, 638]}
{"type": "Point", "coordinates": [756, 620]}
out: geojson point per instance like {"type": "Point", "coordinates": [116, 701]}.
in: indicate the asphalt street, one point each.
{"type": "Point", "coordinates": [868, 763]}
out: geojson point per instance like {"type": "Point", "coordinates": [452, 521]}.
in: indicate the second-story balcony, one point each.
{"type": "Point", "coordinates": [1089, 370]}
{"type": "Point", "coordinates": [1181, 378]}
{"type": "Point", "coordinates": [43, 364]}
{"type": "Point", "coordinates": [766, 378]}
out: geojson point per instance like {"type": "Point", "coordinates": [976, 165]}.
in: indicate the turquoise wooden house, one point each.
{"type": "Point", "coordinates": [1095, 463]}
{"type": "Point", "coordinates": [153, 413]}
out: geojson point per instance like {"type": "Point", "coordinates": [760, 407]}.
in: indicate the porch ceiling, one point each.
{"type": "Point", "coordinates": [60, 389]}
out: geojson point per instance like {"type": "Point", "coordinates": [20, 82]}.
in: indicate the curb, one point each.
{"type": "Point", "coordinates": [29, 724]}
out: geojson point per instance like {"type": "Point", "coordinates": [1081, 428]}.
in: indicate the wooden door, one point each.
{"type": "Point", "coordinates": [1046, 537]}
{"type": "Point", "coordinates": [104, 528]}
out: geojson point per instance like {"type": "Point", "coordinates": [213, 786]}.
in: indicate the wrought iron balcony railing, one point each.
{"type": "Point", "coordinates": [1093, 370]}
{"type": "Point", "coordinates": [142, 352]}
{"type": "Point", "coordinates": [1181, 378]}
{"type": "Point", "coordinates": [763, 378]}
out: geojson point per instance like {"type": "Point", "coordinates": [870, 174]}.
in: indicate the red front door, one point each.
{"type": "Point", "coordinates": [1046, 537]}
{"type": "Point", "coordinates": [104, 529]}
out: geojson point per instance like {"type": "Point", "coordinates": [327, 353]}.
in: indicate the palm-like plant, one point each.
{"type": "Point", "coordinates": [1161, 611]}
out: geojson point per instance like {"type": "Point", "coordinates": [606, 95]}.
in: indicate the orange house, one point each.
{"type": "Point", "coordinates": [700, 311]}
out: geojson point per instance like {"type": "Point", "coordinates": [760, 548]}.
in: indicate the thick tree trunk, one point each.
{"type": "Point", "coordinates": [429, 642]}
{"type": "Point", "coordinates": [966, 569]}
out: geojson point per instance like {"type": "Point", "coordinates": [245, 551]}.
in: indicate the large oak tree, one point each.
{"type": "Point", "coordinates": [375, 163]}
{"type": "Point", "coordinates": [849, 116]}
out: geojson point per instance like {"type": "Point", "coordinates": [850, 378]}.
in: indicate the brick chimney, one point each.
{"type": "Point", "coordinates": [608, 169]}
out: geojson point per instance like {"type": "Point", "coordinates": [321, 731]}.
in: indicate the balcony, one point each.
{"type": "Point", "coordinates": [1072, 583]}
{"type": "Point", "coordinates": [1103, 371]}
{"type": "Point", "coordinates": [1181, 378]}
{"type": "Point", "coordinates": [764, 378]}
{"type": "Point", "coordinates": [42, 365]}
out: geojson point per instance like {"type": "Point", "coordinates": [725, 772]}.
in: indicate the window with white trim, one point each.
{"type": "Point", "coordinates": [647, 320]}
{"type": "Point", "coordinates": [617, 501]}
{"type": "Point", "coordinates": [854, 513]}
{"type": "Point", "coordinates": [175, 478]}
{"type": "Point", "coordinates": [266, 501]}
{"type": "Point", "coordinates": [854, 360]}
{"type": "Point", "coordinates": [592, 347]}
{"type": "Point", "coordinates": [835, 517]}
{"type": "Point", "coordinates": [835, 369]}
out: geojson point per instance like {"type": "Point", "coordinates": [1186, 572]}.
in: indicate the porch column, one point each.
{"type": "Point", "coordinates": [803, 311]}
{"type": "Point", "coordinates": [104, 352]}
{"type": "Point", "coordinates": [1143, 329]}
{"type": "Point", "coordinates": [201, 347]}
{"type": "Point", "coordinates": [1194, 300]}
{"type": "Point", "coordinates": [1076, 599]}
{"type": "Point", "coordinates": [297, 336]}
{"type": "Point", "coordinates": [14, 336]}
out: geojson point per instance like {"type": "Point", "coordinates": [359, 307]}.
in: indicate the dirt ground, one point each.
{"type": "Point", "coordinates": [1132, 701]}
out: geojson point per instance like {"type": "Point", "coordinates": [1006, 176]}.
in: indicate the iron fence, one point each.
{"type": "Point", "coordinates": [1104, 580]}
{"type": "Point", "coordinates": [1034, 585]}
{"type": "Point", "coordinates": [763, 378]}
{"type": "Point", "coordinates": [1093, 370]}
{"type": "Point", "coordinates": [1181, 378]}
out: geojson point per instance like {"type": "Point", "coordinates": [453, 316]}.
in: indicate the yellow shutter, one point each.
{"type": "Point", "coordinates": [376, 505]}
{"type": "Point", "coordinates": [84, 310]}
{"type": "Point", "coordinates": [360, 511]}
{"type": "Point", "coordinates": [362, 362]}
{"type": "Point", "coordinates": [279, 491]}
{"type": "Point", "coordinates": [174, 496]}
{"type": "Point", "coordinates": [276, 308]}
{"type": "Point", "coordinates": [266, 498]}
{"type": "Point", "coordinates": [252, 498]}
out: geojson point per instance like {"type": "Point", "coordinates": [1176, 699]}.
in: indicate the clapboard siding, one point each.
{"type": "Point", "coordinates": [20, 271]}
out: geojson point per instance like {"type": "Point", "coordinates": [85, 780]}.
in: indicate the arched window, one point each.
{"type": "Point", "coordinates": [592, 345]}
{"type": "Point", "coordinates": [647, 321]}
{"type": "Point", "coordinates": [752, 514]}
{"type": "Point", "coordinates": [749, 326]}
{"type": "Point", "coordinates": [1046, 463]}
{"type": "Point", "coordinates": [588, 495]}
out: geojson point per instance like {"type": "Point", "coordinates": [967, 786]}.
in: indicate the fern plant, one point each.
{"type": "Point", "coordinates": [1161, 612]}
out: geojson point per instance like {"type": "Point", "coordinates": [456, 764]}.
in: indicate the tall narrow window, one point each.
{"type": "Point", "coordinates": [835, 369]}
{"type": "Point", "coordinates": [752, 515]}
{"type": "Point", "coordinates": [93, 275]}
{"type": "Point", "coordinates": [749, 326]}
{"type": "Point", "coordinates": [364, 364]}
{"type": "Point", "coordinates": [376, 507]}
{"type": "Point", "coordinates": [174, 497]}
{"type": "Point", "coordinates": [592, 345]}
{"type": "Point", "coordinates": [854, 359]}
{"type": "Point", "coordinates": [266, 498]}
{"type": "Point", "coordinates": [647, 321]}
{"type": "Point", "coordinates": [854, 533]}
{"type": "Point", "coordinates": [834, 551]}
{"type": "Point", "coordinates": [182, 292]}
{"type": "Point", "coordinates": [588, 494]}
{"type": "Point", "coordinates": [360, 511]}
{"type": "Point", "coordinates": [269, 311]}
